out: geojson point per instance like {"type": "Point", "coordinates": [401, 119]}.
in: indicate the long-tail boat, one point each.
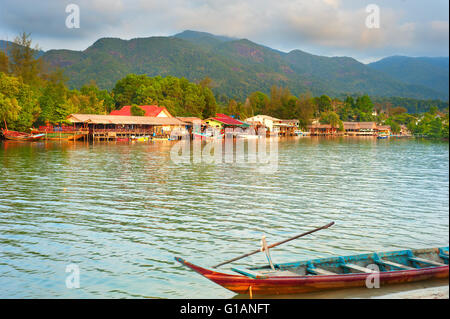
{"type": "Point", "coordinates": [21, 136]}
{"type": "Point", "coordinates": [333, 273]}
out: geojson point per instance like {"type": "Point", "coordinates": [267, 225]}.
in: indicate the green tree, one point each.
{"type": "Point", "coordinates": [19, 106]}
{"type": "Point", "coordinates": [23, 61]}
{"type": "Point", "coordinates": [137, 111]}
{"type": "Point", "coordinates": [397, 111]}
{"type": "Point", "coordinates": [246, 110]}
{"type": "Point", "coordinates": [4, 62]}
{"type": "Point", "coordinates": [178, 95]}
{"type": "Point", "coordinates": [323, 103]}
{"type": "Point", "coordinates": [232, 108]}
{"type": "Point", "coordinates": [305, 110]}
{"type": "Point", "coordinates": [395, 127]}
{"type": "Point", "coordinates": [210, 107]}
{"type": "Point", "coordinates": [331, 118]}
{"type": "Point", "coordinates": [259, 102]}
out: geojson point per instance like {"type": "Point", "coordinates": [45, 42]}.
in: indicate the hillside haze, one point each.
{"type": "Point", "coordinates": [238, 67]}
{"type": "Point", "coordinates": [429, 72]}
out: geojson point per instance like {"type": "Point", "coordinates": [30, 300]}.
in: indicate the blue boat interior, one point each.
{"type": "Point", "coordinates": [363, 263]}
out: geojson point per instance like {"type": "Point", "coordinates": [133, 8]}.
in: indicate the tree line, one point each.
{"type": "Point", "coordinates": [33, 93]}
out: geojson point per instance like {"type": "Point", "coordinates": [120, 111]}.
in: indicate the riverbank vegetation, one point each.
{"type": "Point", "coordinates": [33, 94]}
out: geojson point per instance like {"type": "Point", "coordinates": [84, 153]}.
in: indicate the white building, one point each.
{"type": "Point", "coordinates": [274, 125]}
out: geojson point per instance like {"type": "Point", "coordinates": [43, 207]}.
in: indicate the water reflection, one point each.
{"type": "Point", "coordinates": [121, 212]}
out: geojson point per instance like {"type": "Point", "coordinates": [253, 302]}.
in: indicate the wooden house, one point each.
{"type": "Point", "coordinates": [122, 126]}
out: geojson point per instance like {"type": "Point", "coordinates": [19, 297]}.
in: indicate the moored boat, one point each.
{"type": "Point", "coordinates": [333, 273]}
{"type": "Point", "coordinates": [207, 135]}
{"type": "Point", "coordinates": [382, 136]}
{"type": "Point", "coordinates": [300, 133]}
{"type": "Point", "coordinates": [21, 136]}
{"type": "Point", "coordinates": [63, 137]}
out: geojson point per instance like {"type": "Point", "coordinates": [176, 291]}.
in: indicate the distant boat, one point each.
{"type": "Point", "coordinates": [247, 136]}
{"type": "Point", "coordinates": [63, 136]}
{"type": "Point", "coordinates": [382, 137]}
{"type": "Point", "coordinates": [140, 138]}
{"type": "Point", "coordinates": [300, 133]}
{"type": "Point", "coordinates": [21, 136]}
{"type": "Point", "coordinates": [332, 273]}
{"type": "Point", "coordinates": [208, 134]}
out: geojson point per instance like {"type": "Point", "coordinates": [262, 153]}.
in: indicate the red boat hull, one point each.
{"type": "Point", "coordinates": [301, 284]}
{"type": "Point", "coordinates": [20, 136]}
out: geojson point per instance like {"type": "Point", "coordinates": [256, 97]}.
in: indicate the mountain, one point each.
{"type": "Point", "coordinates": [203, 38]}
{"type": "Point", "coordinates": [4, 45]}
{"type": "Point", "coordinates": [429, 72]}
{"type": "Point", "coordinates": [236, 66]}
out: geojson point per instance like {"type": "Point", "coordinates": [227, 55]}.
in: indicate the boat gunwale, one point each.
{"type": "Point", "coordinates": [205, 272]}
{"type": "Point", "coordinates": [267, 278]}
{"type": "Point", "coordinates": [363, 256]}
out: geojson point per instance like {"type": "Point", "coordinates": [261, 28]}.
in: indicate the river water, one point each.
{"type": "Point", "coordinates": [120, 212]}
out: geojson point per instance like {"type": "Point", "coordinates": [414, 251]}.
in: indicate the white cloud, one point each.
{"type": "Point", "coordinates": [330, 27]}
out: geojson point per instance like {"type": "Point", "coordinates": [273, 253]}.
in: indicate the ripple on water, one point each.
{"type": "Point", "coordinates": [122, 212]}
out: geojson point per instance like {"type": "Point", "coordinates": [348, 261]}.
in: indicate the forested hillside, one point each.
{"type": "Point", "coordinates": [237, 67]}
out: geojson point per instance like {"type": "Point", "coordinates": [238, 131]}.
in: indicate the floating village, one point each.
{"type": "Point", "coordinates": [158, 124]}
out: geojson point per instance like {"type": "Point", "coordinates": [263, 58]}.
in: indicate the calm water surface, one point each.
{"type": "Point", "coordinates": [122, 212]}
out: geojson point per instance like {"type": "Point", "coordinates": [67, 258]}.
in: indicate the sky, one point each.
{"type": "Point", "coordinates": [322, 27]}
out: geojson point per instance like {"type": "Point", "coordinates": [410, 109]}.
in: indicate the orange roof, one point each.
{"type": "Point", "coordinates": [123, 119]}
{"type": "Point", "coordinates": [225, 119]}
{"type": "Point", "coordinates": [189, 119]}
{"type": "Point", "coordinates": [150, 110]}
{"type": "Point", "coordinates": [367, 125]}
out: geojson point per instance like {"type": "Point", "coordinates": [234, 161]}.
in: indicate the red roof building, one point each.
{"type": "Point", "coordinates": [150, 110]}
{"type": "Point", "coordinates": [227, 120]}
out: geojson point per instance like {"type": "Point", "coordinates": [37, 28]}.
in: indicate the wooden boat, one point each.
{"type": "Point", "coordinates": [208, 135]}
{"type": "Point", "coordinates": [333, 273]}
{"type": "Point", "coordinates": [63, 137]}
{"type": "Point", "coordinates": [21, 136]}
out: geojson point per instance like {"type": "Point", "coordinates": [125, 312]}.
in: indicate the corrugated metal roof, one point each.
{"type": "Point", "coordinates": [123, 120]}
{"type": "Point", "coordinates": [225, 119]}
{"type": "Point", "coordinates": [150, 110]}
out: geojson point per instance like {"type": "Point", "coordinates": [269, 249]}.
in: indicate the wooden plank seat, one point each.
{"type": "Point", "coordinates": [320, 271]}
{"type": "Point", "coordinates": [426, 261]}
{"type": "Point", "coordinates": [279, 273]}
{"type": "Point", "coordinates": [358, 268]}
{"type": "Point", "coordinates": [270, 273]}
{"type": "Point", "coordinates": [393, 264]}
{"type": "Point", "coordinates": [249, 273]}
